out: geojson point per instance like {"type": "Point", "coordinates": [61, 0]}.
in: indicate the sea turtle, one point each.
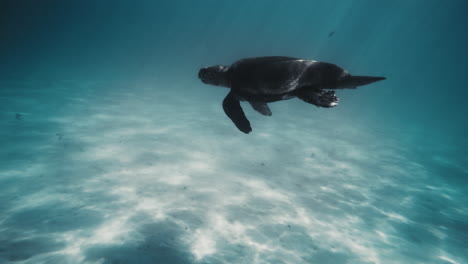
{"type": "Point", "coordinates": [263, 80]}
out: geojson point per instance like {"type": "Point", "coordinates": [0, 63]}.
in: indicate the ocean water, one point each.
{"type": "Point", "coordinates": [112, 150]}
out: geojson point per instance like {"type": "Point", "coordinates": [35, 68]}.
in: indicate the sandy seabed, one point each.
{"type": "Point", "coordinates": [136, 175]}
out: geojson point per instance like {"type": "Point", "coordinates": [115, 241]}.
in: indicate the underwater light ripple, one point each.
{"type": "Point", "coordinates": [223, 198]}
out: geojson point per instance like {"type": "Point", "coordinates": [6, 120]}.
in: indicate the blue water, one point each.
{"type": "Point", "coordinates": [112, 150]}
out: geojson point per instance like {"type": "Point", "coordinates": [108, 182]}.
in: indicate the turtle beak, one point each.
{"type": "Point", "coordinates": [201, 73]}
{"type": "Point", "coordinates": [354, 81]}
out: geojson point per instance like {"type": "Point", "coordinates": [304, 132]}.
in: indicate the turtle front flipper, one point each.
{"type": "Point", "coordinates": [319, 98]}
{"type": "Point", "coordinates": [260, 107]}
{"type": "Point", "coordinates": [234, 111]}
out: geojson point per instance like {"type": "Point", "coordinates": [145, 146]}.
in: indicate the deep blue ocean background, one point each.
{"type": "Point", "coordinates": [112, 150]}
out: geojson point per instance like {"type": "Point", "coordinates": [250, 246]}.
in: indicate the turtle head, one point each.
{"type": "Point", "coordinates": [214, 75]}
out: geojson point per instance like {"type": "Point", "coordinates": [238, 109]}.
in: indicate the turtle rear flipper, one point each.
{"type": "Point", "coordinates": [234, 111]}
{"type": "Point", "coordinates": [320, 98]}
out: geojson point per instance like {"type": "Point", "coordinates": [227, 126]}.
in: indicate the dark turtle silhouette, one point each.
{"type": "Point", "coordinates": [264, 80]}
